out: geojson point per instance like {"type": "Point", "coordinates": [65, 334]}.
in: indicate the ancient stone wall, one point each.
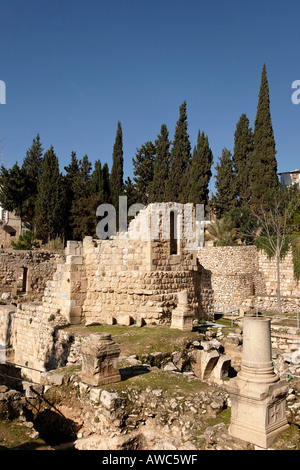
{"type": "Point", "coordinates": [25, 273]}
{"type": "Point", "coordinates": [243, 275]}
{"type": "Point", "coordinates": [135, 273]}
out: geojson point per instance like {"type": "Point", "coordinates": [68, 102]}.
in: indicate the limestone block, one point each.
{"type": "Point", "coordinates": [124, 320]}
{"type": "Point", "coordinates": [220, 371]}
{"type": "Point", "coordinates": [100, 356]}
{"type": "Point", "coordinates": [108, 399]}
{"type": "Point", "coordinates": [203, 362]}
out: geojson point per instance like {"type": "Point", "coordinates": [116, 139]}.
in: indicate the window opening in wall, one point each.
{"type": "Point", "coordinates": [22, 281]}
{"type": "Point", "coordinates": [173, 233]}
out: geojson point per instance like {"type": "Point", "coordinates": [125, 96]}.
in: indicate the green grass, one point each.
{"type": "Point", "coordinates": [138, 341]}
{"type": "Point", "coordinates": [289, 439]}
{"type": "Point", "coordinates": [170, 383]}
{"type": "Point", "coordinates": [15, 436]}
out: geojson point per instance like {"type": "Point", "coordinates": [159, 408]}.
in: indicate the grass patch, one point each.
{"type": "Point", "coordinates": [15, 436]}
{"type": "Point", "coordinates": [289, 439]}
{"type": "Point", "coordinates": [135, 340]}
{"type": "Point", "coordinates": [171, 384]}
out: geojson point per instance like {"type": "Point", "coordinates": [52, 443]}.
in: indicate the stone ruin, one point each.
{"type": "Point", "coordinates": [143, 280]}
{"type": "Point", "coordinates": [257, 393]}
{"type": "Point", "coordinates": [139, 276]}
{"type": "Point", "coordinates": [100, 360]}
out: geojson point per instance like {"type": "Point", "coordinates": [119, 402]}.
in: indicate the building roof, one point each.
{"type": "Point", "coordinates": [289, 172]}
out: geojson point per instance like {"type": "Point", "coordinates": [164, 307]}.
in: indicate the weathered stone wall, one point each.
{"type": "Point", "coordinates": [243, 275]}
{"type": "Point", "coordinates": [38, 266]}
{"type": "Point", "coordinates": [33, 340]}
{"type": "Point", "coordinates": [133, 274]}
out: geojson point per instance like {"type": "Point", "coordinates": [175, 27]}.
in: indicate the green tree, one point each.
{"type": "Point", "coordinates": [27, 241]}
{"type": "Point", "coordinates": [69, 180]}
{"type": "Point", "coordinates": [275, 237]}
{"type": "Point", "coordinates": [84, 204]}
{"type": "Point", "coordinates": [264, 179]}
{"type": "Point", "coordinates": [100, 182]}
{"type": "Point", "coordinates": [33, 162]}
{"type": "Point", "coordinates": [106, 186]}
{"type": "Point", "coordinates": [117, 172]}
{"type": "Point", "coordinates": [242, 159]}
{"type": "Point", "coordinates": [178, 184]}
{"type": "Point", "coordinates": [48, 208]}
{"type": "Point", "coordinates": [224, 199]}
{"type": "Point", "coordinates": [200, 173]}
{"type": "Point", "coordinates": [130, 192]}
{"type": "Point", "coordinates": [143, 164]}
{"type": "Point", "coordinates": [161, 167]}
{"type": "Point", "coordinates": [222, 232]}
{"type": "Point", "coordinates": [14, 190]}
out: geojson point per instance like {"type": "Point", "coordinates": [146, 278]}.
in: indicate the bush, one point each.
{"type": "Point", "coordinates": [27, 241]}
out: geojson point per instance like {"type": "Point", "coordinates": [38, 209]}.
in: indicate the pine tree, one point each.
{"type": "Point", "coordinates": [48, 213]}
{"type": "Point", "coordinates": [161, 167]}
{"type": "Point", "coordinates": [143, 171]}
{"type": "Point", "coordinates": [97, 178]}
{"type": "Point", "coordinates": [200, 171]}
{"type": "Point", "coordinates": [83, 210]}
{"type": "Point", "coordinates": [33, 162]}
{"type": "Point", "coordinates": [178, 184]}
{"type": "Point", "coordinates": [14, 191]}
{"type": "Point", "coordinates": [264, 179]}
{"type": "Point", "coordinates": [130, 192]}
{"type": "Point", "coordinates": [117, 172]}
{"type": "Point", "coordinates": [224, 199]}
{"type": "Point", "coordinates": [72, 174]}
{"type": "Point", "coordinates": [242, 159]}
{"type": "Point", "coordinates": [32, 167]}
{"type": "Point", "coordinates": [99, 188]}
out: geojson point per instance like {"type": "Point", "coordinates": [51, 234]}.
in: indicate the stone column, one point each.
{"type": "Point", "coordinates": [100, 356]}
{"type": "Point", "coordinates": [257, 393]}
{"type": "Point", "coordinates": [182, 315]}
{"type": "Point", "coordinates": [257, 363]}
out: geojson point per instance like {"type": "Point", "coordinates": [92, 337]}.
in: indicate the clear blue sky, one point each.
{"type": "Point", "coordinates": [73, 69]}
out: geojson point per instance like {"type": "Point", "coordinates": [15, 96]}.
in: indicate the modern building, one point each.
{"type": "Point", "coordinates": [11, 227]}
{"type": "Point", "coordinates": [290, 177]}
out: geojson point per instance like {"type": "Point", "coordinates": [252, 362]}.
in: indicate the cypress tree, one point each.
{"type": "Point", "coordinates": [97, 178]}
{"type": "Point", "coordinates": [200, 171]}
{"type": "Point", "coordinates": [72, 174]}
{"type": "Point", "coordinates": [224, 199]}
{"type": "Point", "coordinates": [83, 210]}
{"type": "Point", "coordinates": [99, 187]}
{"type": "Point", "coordinates": [161, 166]}
{"type": "Point", "coordinates": [242, 159]}
{"type": "Point", "coordinates": [179, 160]}
{"type": "Point", "coordinates": [32, 167]}
{"type": "Point", "coordinates": [117, 173]}
{"type": "Point", "coordinates": [264, 171]}
{"type": "Point", "coordinates": [143, 171]}
{"type": "Point", "coordinates": [106, 185]}
{"type": "Point", "coordinates": [48, 213]}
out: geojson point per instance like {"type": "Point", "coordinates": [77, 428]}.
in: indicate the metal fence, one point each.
{"type": "Point", "coordinates": [291, 314]}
